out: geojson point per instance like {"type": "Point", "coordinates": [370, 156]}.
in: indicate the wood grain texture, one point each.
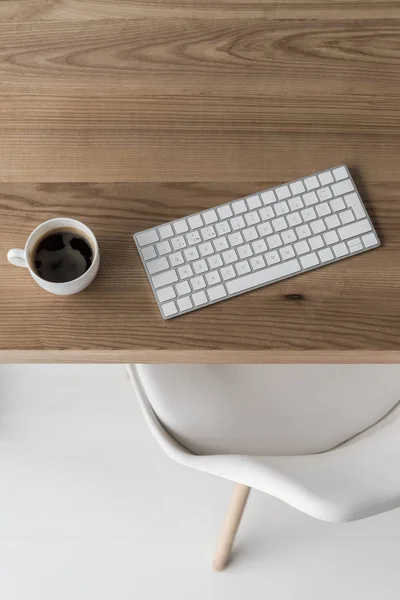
{"type": "Point", "coordinates": [128, 113]}
{"type": "Point", "coordinates": [350, 306]}
{"type": "Point", "coordinates": [232, 57]}
{"type": "Point", "coordinates": [81, 10]}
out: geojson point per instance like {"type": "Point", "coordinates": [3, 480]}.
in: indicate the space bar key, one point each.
{"type": "Point", "coordinates": [262, 276]}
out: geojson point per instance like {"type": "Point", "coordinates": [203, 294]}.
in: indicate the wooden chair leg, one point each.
{"type": "Point", "coordinates": [230, 526]}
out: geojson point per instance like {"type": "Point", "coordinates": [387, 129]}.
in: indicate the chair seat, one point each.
{"type": "Point", "coordinates": [355, 480]}
{"type": "Point", "coordinates": [268, 409]}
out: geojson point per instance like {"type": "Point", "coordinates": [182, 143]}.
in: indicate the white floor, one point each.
{"type": "Point", "coordinates": [90, 508]}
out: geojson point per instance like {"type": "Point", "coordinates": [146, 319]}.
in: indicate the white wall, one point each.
{"type": "Point", "coordinates": [91, 509]}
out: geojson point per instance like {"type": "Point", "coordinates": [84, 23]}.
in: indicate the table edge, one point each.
{"type": "Point", "coordinates": [201, 356]}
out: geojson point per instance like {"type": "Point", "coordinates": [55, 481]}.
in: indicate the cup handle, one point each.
{"type": "Point", "coordinates": [17, 257]}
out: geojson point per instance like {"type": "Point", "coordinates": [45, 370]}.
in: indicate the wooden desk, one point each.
{"type": "Point", "coordinates": [125, 114]}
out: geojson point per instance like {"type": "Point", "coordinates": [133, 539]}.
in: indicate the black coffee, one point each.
{"type": "Point", "coordinates": [62, 255]}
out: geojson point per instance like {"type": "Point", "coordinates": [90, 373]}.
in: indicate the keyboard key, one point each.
{"type": "Point", "coordinates": [347, 217]}
{"type": "Point", "coordinates": [331, 237]}
{"type": "Point", "coordinates": [274, 241]}
{"type": "Point", "coordinates": [281, 208]}
{"type": "Point", "coordinates": [318, 226]}
{"type": "Point", "coordinates": [316, 242]}
{"type": "Point", "coordinates": [340, 250]}
{"type": "Point", "coordinates": [311, 183]}
{"type": "Point", "coordinates": [337, 204]}
{"type": "Point", "coordinates": [148, 253]}
{"type": "Point", "coordinates": [223, 228]}
{"type": "Point", "coordinates": [176, 259]}
{"type": "Point", "coordinates": [257, 262]}
{"type": "Point", "coordinates": [224, 212]}
{"type": "Point", "coordinates": [195, 222]}
{"type": "Point", "coordinates": [239, 207]}
{"type": "Point", "coordinates": [272, 257]}
{"type": "Point", "coordinates": [296, 203]}
{"type": "Point", "coordinates": [180, 226]}
{"type": "Point", "coordinates": [220, 244]}
{"type": "Point", "coordinates": [213, 278]}
{"type": "Point", "coordinates": [297, 187]}
{"type": "Point", "coordinates": [228, 273]}
{"type": "Point", "coordinates": [370, 240]}
{"type": "Point", "coordinates": [215, 261]}
{"type": "Point", "coordinates": [250, 234]}
{"type": "Point", "coordinates": [356, 247]}
{"type": "Point", "coordinates": [353, 201]}
{"type": "Point", "coordinates": [294, 219]}
{"type": "Point", "coordinates": [253, 202]}
{"type": "Point", "coordinates": [354, 242]}
{"type": "Point", "coordinates": [310, 198]}
{"type": "Point", "coordinates": [308, 214]}
{"type": "Point", "coordinates": [325, 255]}
{"type": "Point", "coordinates": [259, 246]}
{"type": "Point", "coordinates": [354, 229]}
{"type": "Point", "coordinates": [266, 213]}
{"type": "Point", "coordinates": [235, 239]}
{"type": "Point", "coordinates": [302, 247]}
{"type": "Point", "coordinates": [147, 237]}
{"type": "Point", "coordinates": [198, 283]}
{"type": "Point", "coordinates": [268, 197]}
{"type": "Point", "coordinates": [155, 266]}
{"type": "Point", "coordinates": [178, 243]}
{"type": "Point", "coordinates": [199, 298]}
{"type": "Point", "coordinates": [237, 223]}
{"type": "Point", "coordinates": [165, 232]}
{"type": "Point", "coordinates": [252, 218]}
{"type": "Point", "coordinates": [287, 252]}
{"type": "Point", "coordinates": [193, 237]}
{"type": "Point", "coordinates": [279, 224]}
{"type": "Point", "coordinates": [332, 221]}
{"type": "Point", "coordinates": [288, 236]}
{"type": "Point", "coordinates": [303, 231]}
{"type": "Point", "coordinates": [242, 267]}
{"type": "Point", "coordinates": [265, 229]}
{"type": "Point", "coordinates": [283, 192]}
{"type": "Point", "coordinates": [263, 276]}
{"type": "Point", "coordinates": [309, 260]}
{"type": "Point", "coordinates": [185, 303]}
{"type": "Point", "coordinates": [208, 233]}
{"type": "Point", "coordinates": [343, 187]}
{"type": "Point", "coordinates": [210, 217]}
{"type": "Point", "coordinates": [229, 257]}
{"type": "Point", "coordinates": [182, 288]}
{"type": "Point", "coordinates": [166, 293]}
{"type": "Point", "coordinates": [163, 248]}
{"type": "Point", "coordinates": [324, 194]}
{"type": "Point", "coordinates": [169, 309]}
{"type": "Point", "coordinates": [323, 209]}
{"type": "Point", "coordinates": [217, 292]}
{"type": "Point", "coordinates": [340, 173]}
{"type": "Point", "coordinates": [244, 251]}
{"type": "Point", "coordinates": [326, 178]}
{"type": "Point", "coordinates": [206, 249]}
{"type": "Point", "coordinates": [191, 254]}
{"type": "Point", "coordinates": [165, 278]}
{"type": "Point", "coordinates": [185, 271]}
{"type": "Point", "coordinates": [200, 267]}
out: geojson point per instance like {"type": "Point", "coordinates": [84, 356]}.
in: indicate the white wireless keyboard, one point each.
{"type": "Point", "coordinates": [248, 243]}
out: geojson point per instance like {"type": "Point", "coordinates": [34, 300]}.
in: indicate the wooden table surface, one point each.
{"type": "Point", "coordinates": [128, 113]}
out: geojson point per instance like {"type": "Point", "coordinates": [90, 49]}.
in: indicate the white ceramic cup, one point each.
{"type": "Point", "coordinates": [23, 258]}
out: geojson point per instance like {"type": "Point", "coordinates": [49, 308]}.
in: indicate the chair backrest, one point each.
{"type": "Point", "coordinates": [268, 409]}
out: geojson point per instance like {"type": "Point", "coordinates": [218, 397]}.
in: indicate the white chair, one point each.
{"type": "Point", "coordinates": [322, 438]}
